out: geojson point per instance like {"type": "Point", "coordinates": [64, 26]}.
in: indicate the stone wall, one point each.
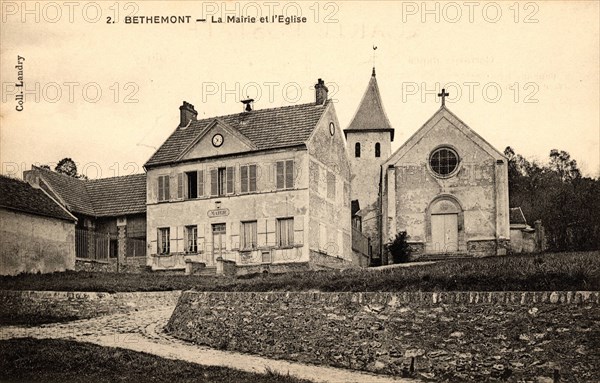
{"type": "Point", "coordinates": [69, 305]}
{"type": "Point", "coordinates": [454, 336]}
{"type": "Point", "coordinates": [131, 265]}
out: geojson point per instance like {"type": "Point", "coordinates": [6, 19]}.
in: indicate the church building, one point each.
{"type": "Point", "coordinates": [445, 186]}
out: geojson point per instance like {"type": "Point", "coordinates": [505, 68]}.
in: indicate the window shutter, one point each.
{"type": "Point", "coordinates": [252, 178]}
{"type": "Point", "coordinates": [298, 230]}
{"type": "Point", "coordinates": [244, 178]}
{"type": "Point", "coordinates": [230, 179]}
{"type": "Point", "coordinates": [200, 183]}
{"type": "Point", "coordinates": [280, 178]}
{"type": "Point", "coordinates": [271, 238]}
{"type": "Point", "coordinates": [161, 188]}
{"type": "Point", "coordinates": [261, 231]}
{"type": "Point", "coordinates": [214, 181]}
{"type": "Point", "coordinates": [234, 237]}
{"type": "Point", "coordinates": [289, 174]}
{"type": "Point", "coordinates": [180, 186]}
{"type": "Point", "coordinates": [290, 231]}
{"type": "Point", "coordinates": [166, 188]}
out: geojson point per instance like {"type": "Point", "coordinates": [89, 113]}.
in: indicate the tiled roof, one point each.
{"type": "Point", "coordinates": [71, 191]}
{"type": "Point", "coordinates": [266, 128]}
{"type": "Point", "coordinates": [118, 195]}
{"type": "Point", "coordinates": [517, 217]}
{"type": "Point", "coordinates": [19, 195]}
{"type": "Point", "coordinates": [370, 114]}
{"type": "Point", "coordinates": [102, 197]}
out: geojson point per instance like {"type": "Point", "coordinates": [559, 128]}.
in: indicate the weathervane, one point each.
{"type": "Point", "coordinates": [374, 49]}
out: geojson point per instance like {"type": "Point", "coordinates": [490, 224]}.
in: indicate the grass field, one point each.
{"type": "Point", "coordinates": [560, 271]}
{"type": "Point", "coordinates": [48, 360]}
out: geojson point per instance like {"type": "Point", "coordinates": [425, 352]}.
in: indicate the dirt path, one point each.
{"type": "Point", "coordinates": [142, 331]}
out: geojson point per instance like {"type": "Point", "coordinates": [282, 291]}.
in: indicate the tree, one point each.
{"type": "Point", "coordinates": [399, 248]}
{"type": "Point", "coordinates": [557, 194]}
{"type": "Point", "coordinates": [68, 167]}
{"type": "Point", "coordinates": [563, 165]}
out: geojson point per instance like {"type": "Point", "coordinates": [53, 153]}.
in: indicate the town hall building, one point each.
{"type": "Point", "coordinates": [265, 190]}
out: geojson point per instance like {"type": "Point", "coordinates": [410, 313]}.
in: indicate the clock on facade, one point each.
{"type": "Point", "coordinates": [331, 128]}
{"type": "Point", "coordinates": [217, 140]}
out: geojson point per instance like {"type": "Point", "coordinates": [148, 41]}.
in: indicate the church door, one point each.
{"type": "Point", "coordinates": [444, 232]}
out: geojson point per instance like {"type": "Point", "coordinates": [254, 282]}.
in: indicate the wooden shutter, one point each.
{"type": "Point", "coordinates": [299, 230]}
{"type": "Point", "coordinates": [252, 178]}
{"type": "Point", "coordinates": [201, 238]}
{"type": "Point", "coordinates": [271, 238]}
{"type": "Point", "coordinates": [289, 174]}
{"type": "Point", "coordinates": [200, 183]}
{"type": "Point", "coordinates": [234, 237]}
{"type": "Point", "coordinates": [280, 175]}
{"type": "Point", "coordinates": [214, 182]}
{"type": "Point", "coordinates": [161, 188]}
{"type": "Point", "coordinates": [180, 186]}
{"type": "Point", "coordinates": [244, 178]}
{"type": "Point", "coordinates": [261, 230]}
{"type": "Point", "coordinates": [230, 179]}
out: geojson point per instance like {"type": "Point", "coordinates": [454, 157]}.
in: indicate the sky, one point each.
{"type": "Point", "coordinates": [106, 91]}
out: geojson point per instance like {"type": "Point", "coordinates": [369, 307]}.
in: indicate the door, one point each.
{"type": "Point", "coordinates": [218, 231]}
{"type": "Point", "coordinates": [444, 233]}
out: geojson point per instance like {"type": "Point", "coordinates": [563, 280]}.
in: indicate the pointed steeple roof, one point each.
{"type": "Point", "coordinates": [370, 115]}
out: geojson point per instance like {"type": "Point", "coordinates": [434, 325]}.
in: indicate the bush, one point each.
{"type": "Point", "coordinates": [399, 248]}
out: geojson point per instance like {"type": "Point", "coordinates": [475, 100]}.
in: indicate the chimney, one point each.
{"type": "Point", "coordinates": [248, 104]}
{"type": "Point", "coordinates": [320, 92]}
{"type": "Point", "coordinates": [187, 113]}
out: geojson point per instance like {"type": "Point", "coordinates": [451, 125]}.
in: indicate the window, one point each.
{"type": "Point", "coordinates": [285, 232]}
{"type": "Point", "coordinates": [191, 239]}
{"type": "Point", "coordinates": [249, 235]}
{"type": "Point", "coordinates": [163, 188]}
{"type": "Point", "coordinates": [357, 150]}
{"type": "Point", "coordinates": [443, 161]}
{"type": "Point", "coordinates": [377, 150]}
{"type": "Point", "coordinates": [164, 241]}
{"type": "Point", "coordinates": [222, 181]}
{"type": "Point", "coordinates": [248, 178]}
{"type": "Point", "coordinates": [285, 174]}
{"type": "Point", "coordinates": [330, 185]}
{"type": "Point", "coordinates": [192, 184]}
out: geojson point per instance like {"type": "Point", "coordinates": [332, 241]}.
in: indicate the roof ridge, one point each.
{"type": "Point", "coordinates": [59, 174]}
{"type": "Point", "coordinates": [255, 111]}
{"type": "Point", "coordinates": [115, 177]}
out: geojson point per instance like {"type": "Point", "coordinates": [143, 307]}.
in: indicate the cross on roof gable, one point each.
{"type": "Point", "coordinates": [442, 113]}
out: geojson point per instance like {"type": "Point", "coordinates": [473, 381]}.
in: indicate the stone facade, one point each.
{"type": "Point", "coordinates": [33, 243]}
{"type": "Point", "coordinates": [462, 212]}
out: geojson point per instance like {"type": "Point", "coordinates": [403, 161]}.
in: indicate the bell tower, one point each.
{"type": "Point", "coordinates": [368, 139]}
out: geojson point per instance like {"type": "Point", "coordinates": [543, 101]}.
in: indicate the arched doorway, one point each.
{"type": "Point", "coordinates": [445, 222]}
